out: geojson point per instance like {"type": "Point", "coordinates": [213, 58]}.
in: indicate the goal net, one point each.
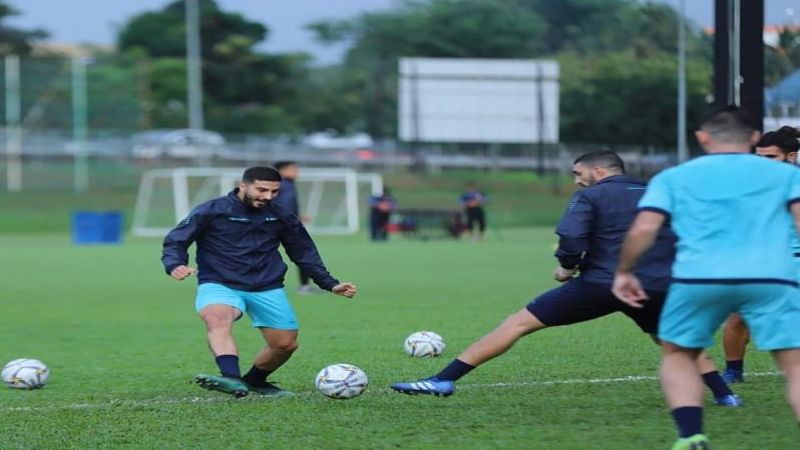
{"type": "Point", "coordinates": [332, 199]}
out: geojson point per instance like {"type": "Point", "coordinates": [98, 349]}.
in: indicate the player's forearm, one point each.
{"type": "Point", "coordinates": [570, 251]}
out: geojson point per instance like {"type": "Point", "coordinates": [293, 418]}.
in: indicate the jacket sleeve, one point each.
{"type": "Point", "coordinates": [573, 231]}
{"type": "Point", "coordinates": [177, 242]}
{"type": "Point", "coordinates": [302, 251]}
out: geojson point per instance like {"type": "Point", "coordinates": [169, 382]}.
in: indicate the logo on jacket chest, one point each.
{"type": "Point", "coordinates": [247, 220]}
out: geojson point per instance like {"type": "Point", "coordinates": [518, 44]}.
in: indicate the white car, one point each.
{"type": "Point", "coordinates": [185, 143]}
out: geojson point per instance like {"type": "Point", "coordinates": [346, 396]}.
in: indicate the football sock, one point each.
{"type": "Point", "coordinates": [229, 366]}
{"type": "Point", "coordinates": [689, 420]}
{"type": "Point", "coordinates": [717, 385]}
{"type": "Point", "coordinates": [256, 376]}
{"type": "Point", "coordinates": [454, 370]}
{"type": "Point", "coordinates": [735, 365]}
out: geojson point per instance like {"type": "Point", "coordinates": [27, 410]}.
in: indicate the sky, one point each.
{"type": "Point", "coordinates": [97, 21]}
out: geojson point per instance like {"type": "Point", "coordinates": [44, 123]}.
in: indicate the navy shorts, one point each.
{"type": "Point", "coordinates": [578, 301]}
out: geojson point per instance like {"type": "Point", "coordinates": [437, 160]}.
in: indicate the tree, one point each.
{"type": "Point", "coordinates": [14, 40]}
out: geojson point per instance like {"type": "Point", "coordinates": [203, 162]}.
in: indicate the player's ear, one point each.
{"type": "Point", "coordinates": [754, 137]}
{"type": "Point", "coordinates": [703, 138]}
{"type": "Point", "coordinates": [791, 157]}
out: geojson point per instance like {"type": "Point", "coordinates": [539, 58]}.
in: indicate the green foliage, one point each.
{"type": "Point", "coordinates": [123, 341]}
{"type": "Point", "coordinates": [12, 39]}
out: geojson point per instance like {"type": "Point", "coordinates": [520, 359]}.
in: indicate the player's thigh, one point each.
{"type": "Point", "coordinates": [692, 313]}
{"type": "Point", "coordinates": [271, 309]}
{"type": "Point", "coordinates": [572, 302]}
{"type": "Point", "coordinates": [772, 311]}
{"type": "Point", "coordinates": [219, 300]}
{"type": "Point", "coordinates": [648, 316]}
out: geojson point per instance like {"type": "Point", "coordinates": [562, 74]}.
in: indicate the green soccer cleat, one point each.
{"type": "Point", "coordinates": [232, 386]}
{"type": "Point", "coordinates": [269, 389]}
{"type": "Point", "coordinates": [694, 442]}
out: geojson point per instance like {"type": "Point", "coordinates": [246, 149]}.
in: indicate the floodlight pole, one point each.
{"type": "Point", "coordinates": [194, 65]}
{"type": "Point", "coordinates": [13, 128]}
{"type": "Point", "coordinates": [80, 124]}
{"type": "Point", "coordinates": [683, 146]}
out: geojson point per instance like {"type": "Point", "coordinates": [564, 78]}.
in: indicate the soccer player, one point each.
{"type": "Point", "coordinates": [780, 145]}
{"type": "Point", "coordinates": [380, 212]}
{"type": "Point", "coordinates": [288, 201]}
{"type": "Point", "coordinates": [732, 212]}
{"type": "Point", "coordinates": [590, 234]}
{"type": "Point", "coordinates": [472, 201]}
{"type": "Point", "coordinates": [240, 270]}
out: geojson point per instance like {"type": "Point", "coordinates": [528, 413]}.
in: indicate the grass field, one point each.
{"type": "Point", "coordinates": [123, 342]}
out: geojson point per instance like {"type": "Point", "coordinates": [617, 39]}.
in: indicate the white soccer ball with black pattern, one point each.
{"type": "Point", "coordinates": [25, 374]}
{"type": "Point", "coordinates": [424, 344]}
{"type": "Point", "coordinates": [341, 381]}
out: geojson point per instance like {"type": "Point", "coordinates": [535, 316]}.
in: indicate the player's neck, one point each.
{"type": "Point", "coordinates": [728, 148]}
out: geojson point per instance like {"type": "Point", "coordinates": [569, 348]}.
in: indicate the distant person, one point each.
{"type": "Point", "coordinates": [735, 216]}
{"type": "Point", "coordinates": [240, 270]}
{"type": "Point", "coordinates": [381, 208]}
{"type": "Point", "coordinates": [780, 145]}
{"type": "Point", "coordinates": [287, 199]}
{"type": "Point", "coordinates": [590, 234]}
{"type": "Point", "coordinates": [472, 201]}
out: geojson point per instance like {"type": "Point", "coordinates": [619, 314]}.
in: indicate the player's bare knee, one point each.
{"type": "Point", "coordinates": [286, 347]}
{"type": "Point", "coordinates": [523, 322]}
{"type": "Point", "coordinates": [217, 320]}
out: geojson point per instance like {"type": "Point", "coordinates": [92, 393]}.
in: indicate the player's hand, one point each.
{"type": "Point", "coordinates": [182, 272]}
{"type": "Point", "coordinates": [346, 289]}
{"type": "Point", "coordinates": [561, 274]}
{"type": "Point", "coordinates": [628, 289]}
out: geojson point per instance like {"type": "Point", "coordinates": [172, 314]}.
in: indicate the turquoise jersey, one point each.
{"type": "Point", "coordinates": [730, 212]}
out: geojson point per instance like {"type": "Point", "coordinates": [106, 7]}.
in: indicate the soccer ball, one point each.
{"type": "Point", "coordinates": [25, 374]}
{"type": "Point", "coordinates": [341, 381]}
{"type": "Point", "coordinates": [423, 344]}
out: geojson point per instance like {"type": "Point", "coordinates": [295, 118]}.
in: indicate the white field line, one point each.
{"type": "Point", "coordinates": [116, 403]}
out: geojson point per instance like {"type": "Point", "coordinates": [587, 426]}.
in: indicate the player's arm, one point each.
{"type": "Point", "coordinates": [639, 239]}
{"type": "Point", "coordinates": [573, 236]}
{"type": "Point", "coordinates": [302, 251]}
{"type": "Point", "coordinates": [175, 249]}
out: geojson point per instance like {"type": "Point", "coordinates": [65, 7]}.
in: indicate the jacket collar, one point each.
{"type": "Point", "coordinates": [621, 179]}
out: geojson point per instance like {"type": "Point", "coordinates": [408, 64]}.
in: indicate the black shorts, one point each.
{"type": "Point", "coordinates": [578, 301]}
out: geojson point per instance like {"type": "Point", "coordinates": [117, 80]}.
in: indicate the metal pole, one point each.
{"type": "Point", "coordinates": [194, 65]}
{"type": "Point", "coordinates": [80, 124]}
{"type": "Point", "coordinates": [683, 146]}
{"type": "Point", "coordinates": [13, 129]}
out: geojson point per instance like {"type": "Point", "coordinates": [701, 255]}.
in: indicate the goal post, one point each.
{"type": "Point", "coordinates": [332, 199]}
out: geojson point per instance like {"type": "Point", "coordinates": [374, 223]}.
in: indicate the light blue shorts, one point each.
{"type": "Point", "coordinates": [694, 312]}
{"type": "Point", "coordinates": [267, 309]}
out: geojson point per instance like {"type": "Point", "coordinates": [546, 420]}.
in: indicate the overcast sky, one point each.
{"type": "Point", "coordinates": [96, 21]}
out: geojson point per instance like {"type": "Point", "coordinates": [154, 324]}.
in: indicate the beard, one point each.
{"type": "Point", "coordinates": [251, 202]}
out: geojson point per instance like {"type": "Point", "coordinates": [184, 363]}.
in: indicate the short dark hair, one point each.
{"type": "Point", "coordinates": [260, 173]}
{"type": "Point", "coordinates": [729, 125]}
{"type": "Point", "coordinates": [602, 158]}
{"type": "Point", "coordinates": [280, 165]}
{"type": "Point", "coordinates": [785, 138]}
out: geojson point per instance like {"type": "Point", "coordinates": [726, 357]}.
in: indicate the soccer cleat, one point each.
{"type": "Point", "coordinates": [232, 386]}
{"type": "Point", "coordinates": [694, 442]}
{"type": "Point", "coordinates": [733, 376]}
{"type": "Point", "coordinates": [427, 386]}
{"type": "Point", "coordinates": [731, 401]}
{"type": "Point", "coordinates": [268, 389]}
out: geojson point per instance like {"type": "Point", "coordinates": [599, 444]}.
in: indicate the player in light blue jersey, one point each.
{"type": "Point", "coordinates": [779, 145]}
{"type": "Point", "coordinates": [732, 212]}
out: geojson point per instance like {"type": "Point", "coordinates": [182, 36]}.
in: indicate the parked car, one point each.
{"type": "Point", "coordinates": [181, 143]}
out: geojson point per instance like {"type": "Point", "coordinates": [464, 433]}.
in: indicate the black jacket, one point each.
{"type": "Point", "coordinates": [237, 246]}
{"type": "Point", "coordinates": [592, 229]}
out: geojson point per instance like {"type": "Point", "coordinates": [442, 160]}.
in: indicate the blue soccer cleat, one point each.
{"type": "Point", "coordinates": [730, 401]}
{"type": "Point", "coordinates": [733, 376]}
{"type": "Point", "coordinates": [427, 386]}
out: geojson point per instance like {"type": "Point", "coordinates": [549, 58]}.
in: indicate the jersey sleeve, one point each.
{"type": "Point", "coordinates": [794, 188]}
{"type": "Point", "coordinates": [177, 242]}
{"type": "Point", "coordinates": [302, 251]}
{"type": "Point", "coordinates": [658, 197]}
{"type": "Point", "coordinates": [573, 231]}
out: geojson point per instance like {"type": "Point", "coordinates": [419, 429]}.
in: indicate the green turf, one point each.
{"type": "Point", "coordinates": [123, 342]}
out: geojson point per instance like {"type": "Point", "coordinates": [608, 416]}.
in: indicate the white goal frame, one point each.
{"type": "Point", "coordinates": [227, 177]}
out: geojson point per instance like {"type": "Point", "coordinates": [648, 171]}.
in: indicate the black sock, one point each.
{"type": "Point", "coordinates": [736, 364]}
{"type": "Point", "coordinates": [256, 376]}
{"type": "Point", "coordinates": [717, 385]}
{"type": "Point", "coordinates": [229, 366]}
{"type": "Point", "coordinates": [454, 370]}
{"type": "Point", "coordinates": [689, 420]}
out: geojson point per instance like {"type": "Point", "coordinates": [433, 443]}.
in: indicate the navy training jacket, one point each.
{"type": "Point", "coordinates": [237, 246]}
{"type": "Point", "coordinates": [594, 225]}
